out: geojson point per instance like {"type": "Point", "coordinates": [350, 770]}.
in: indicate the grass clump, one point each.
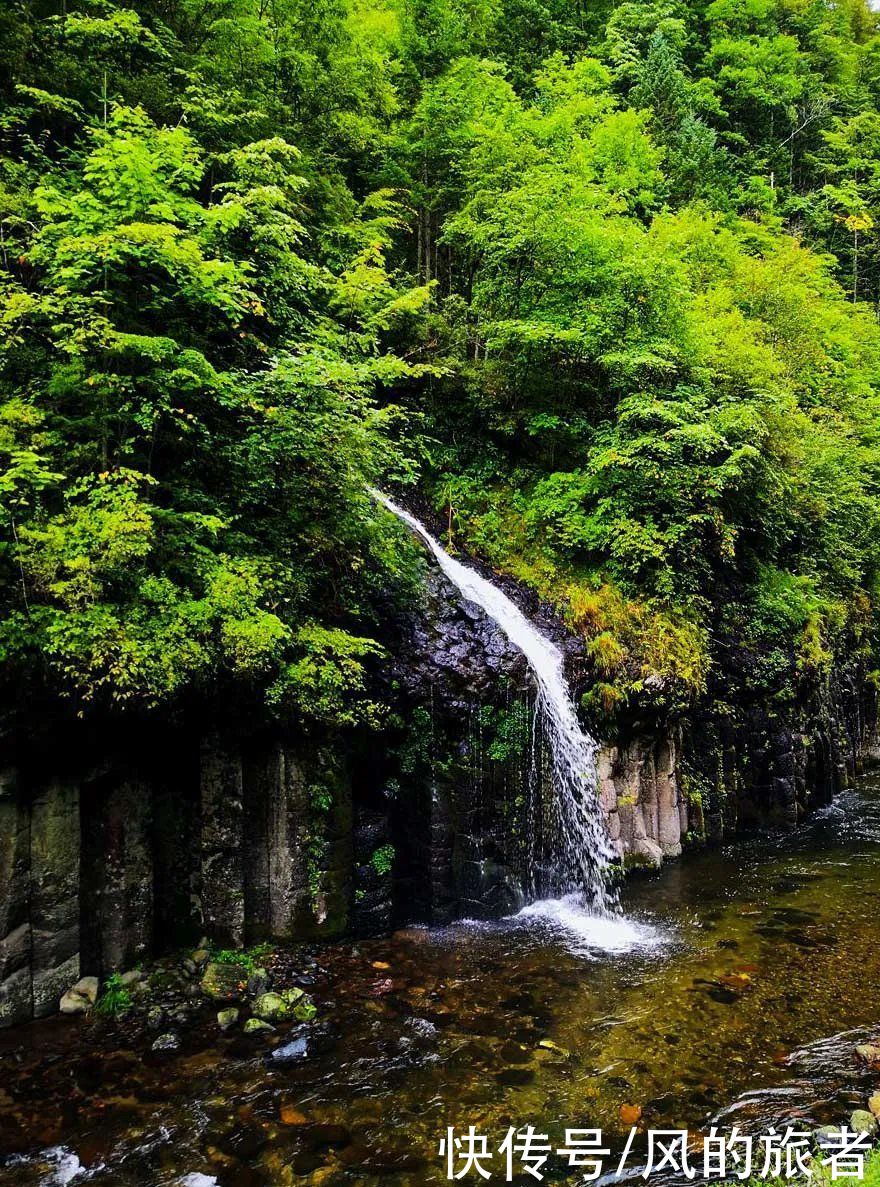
{"type": "Point", "coordinates": [116, 998]}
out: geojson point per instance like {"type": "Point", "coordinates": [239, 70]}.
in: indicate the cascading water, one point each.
{"type": "Point", "coordinates": [585, 853]}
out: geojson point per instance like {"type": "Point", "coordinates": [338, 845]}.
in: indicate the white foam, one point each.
{"type": "Point", "coordinates": [588, 932]}
{"type": "Point", "coordinates": [67, 1167]}
{"type": "Point", "coordinates": [198, 1180]}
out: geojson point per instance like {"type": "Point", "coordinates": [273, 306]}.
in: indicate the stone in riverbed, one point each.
{"type": "Point", "coordinates": [554, 1048]}
{"type": "Point", "coordinates": [166, 1042]}
{"type": "Point", "coordinates": [827, 1135]}
{"type": "Point", "coordinates": [226, 1019]}
{"type": "Point", "coordinates": [515, 1076]}
{"type": "Point", "coordinates": [874, 1105]}
{"type": "Point", "coordinates": [223, 982]}
{"type": "Point", "coordinates": [271, 1007]}
{"type": "Point", "coordinates": [291, 1052]}
{"type": "Point", "coordinates": [305, 1010]}
{"type": "Point", "coordinates": [291, 1115]}
{"type": "Point", "coordinates": [258, 982]}
{"type": "Point", "coordinates": [80, 997]}
{"type": "Point", "coordinates": [863, 1122]}
{"type": "Point", "coordinates": [869, 1053]}
{"type": "Point", "coordinates": [256, 1026]}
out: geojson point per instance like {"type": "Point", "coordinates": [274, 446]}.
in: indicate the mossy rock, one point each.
{"type": "Point", "coordinates": [257, 1026]}
{"type": "Point", "coordinates": [223, 982]}
{"type": "Point", "coordinates": [271, 1007]}
{"type": "Point", "coordinates": [305, 1009]}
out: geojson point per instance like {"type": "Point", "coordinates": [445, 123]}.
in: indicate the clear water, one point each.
{"type": "Point", "coordinates": [748, 976]}
{"type": "Point", "coordinates": [583, 849]}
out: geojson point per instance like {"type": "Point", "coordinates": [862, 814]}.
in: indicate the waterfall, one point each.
{"type": "Point", "coordinates": [585, 851]}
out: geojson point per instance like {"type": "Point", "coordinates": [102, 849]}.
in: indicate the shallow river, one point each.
{"type": "Point", "coordinates": [733, 992]}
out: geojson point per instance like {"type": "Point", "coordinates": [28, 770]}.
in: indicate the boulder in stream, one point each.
{"type": "Point", "coordinates": [869, 1053]}
{"type": "Point", "coordinates": [81, 997]}
{"type": "Point", "coordinates": [224, 981]}
{"type": "Point", "coordinates": [271, 1007]}
{"type": "Point", "coordinates": [861, 1121]}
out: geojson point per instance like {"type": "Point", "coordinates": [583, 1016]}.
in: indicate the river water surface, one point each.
{"type": "Point", "coordinates": [733, 993]}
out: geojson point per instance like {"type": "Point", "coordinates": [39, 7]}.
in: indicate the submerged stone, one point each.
{"type": "Point", "coordinates": [226, 1019]}
{"type": "Point", "coordinates": [515, 1076]}
{"type": "Point", "coordinates": [291, 1115]}
{"type": "Point", "coordinates": [549, 1045]}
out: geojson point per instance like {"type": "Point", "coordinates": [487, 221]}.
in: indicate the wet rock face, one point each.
{"type": "Point", "coordinates": [483, 792]}
{"type": "Point", "coordinates": [16, 1001]}
{"type": "Point", "coordinates": [452, 645]}
{"type": "Point", "coordinates": [39, 897]}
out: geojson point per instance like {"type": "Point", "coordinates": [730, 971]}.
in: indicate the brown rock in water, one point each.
{"type": "Point", "coordinates": [737, 981]}
{"type": "Point", "coordinates": [290, 1115]}
{"type": "Point", "coordinates": [874, 1104]}
{"type": "Point", "coordinates": [630, 1114]}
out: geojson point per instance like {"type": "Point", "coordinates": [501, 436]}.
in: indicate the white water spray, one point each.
{"type": "Point", "coordinates": [581, 866]}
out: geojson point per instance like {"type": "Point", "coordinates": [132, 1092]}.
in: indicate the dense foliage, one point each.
{"type": "Point", "coordinates": [603, 279]}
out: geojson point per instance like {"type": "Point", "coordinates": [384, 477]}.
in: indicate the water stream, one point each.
{"type": "Point", "coordinates": [583, 850]}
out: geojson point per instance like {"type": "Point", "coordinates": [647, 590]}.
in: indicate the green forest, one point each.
{"type": "Point", "coordinates": [596, 282]}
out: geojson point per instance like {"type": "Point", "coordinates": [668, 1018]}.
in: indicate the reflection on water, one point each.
{"type": "Point", "coordinates": [714, 998]}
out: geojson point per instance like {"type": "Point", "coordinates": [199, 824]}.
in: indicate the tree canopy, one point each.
{"type": "Point", "coordinates": [602, 279]}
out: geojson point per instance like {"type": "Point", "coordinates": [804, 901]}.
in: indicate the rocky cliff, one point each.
{"type": "Point", "coordinates": [114, 847]}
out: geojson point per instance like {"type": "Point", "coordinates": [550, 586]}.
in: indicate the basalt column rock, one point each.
{"type": "Point", "coordinates": [331, 839]}
{"type": "Point", "coordinates": [176, 834]}
{"type": "Point", "coordinates": [117, 873]}
{"type": "Point", "coordinates": [222, 842]}
{"type": "Point", "coordinates": [641, 794]}
{"type": "Point", "coordinates": [374, 860]}
{"type": "Point", "coordinates": [454, 666]}
{"type": "Point", "coordinates": [54, 893]}
{"type": "Point", "coordinates": [16, 997]}
{"type": "Point", "coordinates": [276, 840]}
